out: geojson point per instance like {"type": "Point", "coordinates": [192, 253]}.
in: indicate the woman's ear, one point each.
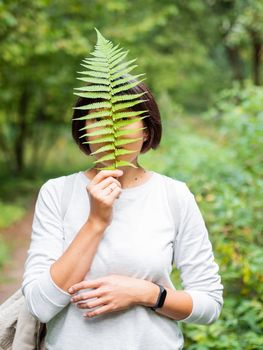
{"type": "Point", "coordinates": [145, 136]}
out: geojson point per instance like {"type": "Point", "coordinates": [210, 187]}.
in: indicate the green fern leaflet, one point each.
{"type": "Point", "coordinates": [107, 77]}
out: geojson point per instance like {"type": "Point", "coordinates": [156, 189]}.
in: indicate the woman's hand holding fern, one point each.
{"type": "Point", "coordinates": [102, 197]}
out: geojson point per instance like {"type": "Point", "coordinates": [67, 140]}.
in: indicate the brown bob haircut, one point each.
{"type": "Point", "coordinates": [153, 122]}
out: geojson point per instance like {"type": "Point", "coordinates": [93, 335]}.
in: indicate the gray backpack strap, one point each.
{"type": "Point", "coordinates": [65, 199]}
{"type": "Point", "coordinates": [173, 203]}
{"type": "Point", "coordinates": [67, 193]}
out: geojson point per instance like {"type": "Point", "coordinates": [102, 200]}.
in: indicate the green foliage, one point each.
{"type": "Point", "coordinates": [190, 50]}
{"type": "Point", "coordinates": [10, 213]}
{"type": "Point", "coordinates": [108, 80]}
{"type": "Point", "coordinates": [208, 154]}
{"type": "Point", "coordinates": [239, 327]}
{"type": "Point", "coordinates": [4, 252]}
{"type": "Point", "coordinates": [239, 117]}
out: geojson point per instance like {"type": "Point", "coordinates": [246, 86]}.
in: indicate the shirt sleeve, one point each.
{"type": "Point", "coordinates": [193, 256]}
{"type": "Point", "coordinates": [43, 297]}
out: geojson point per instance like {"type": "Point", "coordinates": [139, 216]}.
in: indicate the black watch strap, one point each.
{"type": "Point", "coordinates": [161, 298]}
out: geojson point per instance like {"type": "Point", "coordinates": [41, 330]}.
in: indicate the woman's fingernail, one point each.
{"type": "Point", "coordinates": [71, 290]}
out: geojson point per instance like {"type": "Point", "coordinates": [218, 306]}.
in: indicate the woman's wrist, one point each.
{"type": "Point", "coordinates": [147, 294]}
{"type": "Point", "coordinates": [96, 225]}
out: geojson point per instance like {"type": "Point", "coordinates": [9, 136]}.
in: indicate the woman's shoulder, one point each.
{"type": "Point", "coordinates": [175, 184]}
{"type": "Point", "coordinates": [179, 192]}
{"type": "Point", "coordinates": [56, 185]}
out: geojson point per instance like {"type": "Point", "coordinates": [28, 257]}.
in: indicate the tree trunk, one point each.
{"type": "Point", "coordinates": [21, 132]}
{"type": "Point", "coordinates": [256, 56]}
{"type": "Point", "coordinates": [235, 62]}
{"type": "Point", "coordinates": [4, 149]}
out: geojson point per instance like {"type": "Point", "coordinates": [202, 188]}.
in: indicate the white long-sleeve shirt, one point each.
{"type": "Point", "coordinates": [140, 242]}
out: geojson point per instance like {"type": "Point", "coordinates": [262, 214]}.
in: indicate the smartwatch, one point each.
{"type": "Point", "coordinates": [161, 298]}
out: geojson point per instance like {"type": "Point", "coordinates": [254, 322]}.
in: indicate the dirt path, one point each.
{"type": "Point", "coordinates": [18, 234]}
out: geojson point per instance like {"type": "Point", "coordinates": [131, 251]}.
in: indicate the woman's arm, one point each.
{"type": "Point", "coordinates": [201, 300]}
{"type": "Point", "coordinates": [117, 292]}
{"type": "Point", "coordinates": [178, 304]}
{"type": "Point", "coordinates": [74, 264]}
{"type": "Point", "coordinates": [48, 271]}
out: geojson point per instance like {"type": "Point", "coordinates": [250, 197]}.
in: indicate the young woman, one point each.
{"type": "Point", "coordinates": [99, 277]}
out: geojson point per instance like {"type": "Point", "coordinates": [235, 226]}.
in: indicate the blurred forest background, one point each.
{"type": "Point", "coordinates": [203, 62]}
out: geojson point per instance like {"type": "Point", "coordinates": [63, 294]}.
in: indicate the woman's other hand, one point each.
{"type": "Point", "coordinates": [114, 293]}
{"type": "Point", "coordinates": [103, 190]}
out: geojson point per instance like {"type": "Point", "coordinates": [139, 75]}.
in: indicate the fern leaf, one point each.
{"type": "Point", "coordinates": [108, 138]}
{"type": "Point", "coordinates": [126, 87]}
{"type": "Point", "coordinates": [126, 132]}
{"type": "Point", "coordinates": [115, 68]}
{"type": "Point", "coordinates": [110, 167]}
{"type": "Point", "coordinates": [98, 132]}
{"type": "Point", "coordinates": [126, 105]}
{"type": "Point", "coordinates": [125, 80]}
{"type": "Point", "coordinates": [121, 152]}
{"type": "Point", "coordinates": [95, 74]}
{"type": "Point", "coordinates": [96, 59]}
{"type": "Point", "coordinates": [123, 72]}
{"type": "Point", "coordinates": [95, 63]}
{"type": "Point", "coordinates": [121, 142]}
{"type": "Point", "coordinates": [93, 88]}
{"type": "Point", "coordinates": [93, 95]}
{"type": "Point", "coordinates": [96, 68]}
{"type": "Point", "coordinates": [126, 97]}
{"type": "Point", "coordinates": [95, 81]}
{"type": "Point", "coordinates": [107, 157]}
{"type": "Point", "coordinates": [94, 106]}
{"type": "Point", "coordinates": [103, 113]}
{"type": "Point", "coordinates": [127, 114]}
{"type": "Point", "coordinates": [120, 163]}
{"type": "Point", "coordinates": [118, 58]}
{"type": "Point", "coordinates": [122, 123]}
{"type": "Point", "coordinates": [98, 124]}
{"type": "Point", "coordinates": [104, 148]}
{"type": "Point", "coordinates": [108, 77]}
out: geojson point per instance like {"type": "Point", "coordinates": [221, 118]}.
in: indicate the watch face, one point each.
{"type": "Point", "coordinates": [162, 297]}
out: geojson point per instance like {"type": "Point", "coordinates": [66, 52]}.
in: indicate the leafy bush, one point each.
{"type": "Point", "coordinates": [214, 159]}
{"type": "Point", "coordinates": [10, 213]}
{"type": "Point", "coordinates": [239, 115]}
